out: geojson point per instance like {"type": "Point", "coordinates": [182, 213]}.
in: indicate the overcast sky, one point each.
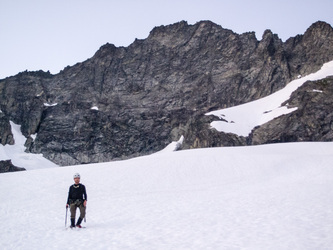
{"type": "Point", "coordinates": [51, 34]}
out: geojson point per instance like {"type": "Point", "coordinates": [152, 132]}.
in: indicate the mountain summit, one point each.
{"type": "Point", "coordinates": [130, 101]}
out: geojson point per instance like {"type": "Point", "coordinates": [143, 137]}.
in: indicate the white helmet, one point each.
{"type": "Point", "coordinates": [77, 175]}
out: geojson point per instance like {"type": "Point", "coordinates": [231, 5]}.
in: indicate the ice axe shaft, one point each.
{"type": "Point", "coordinates": [66, 216]}
{"type": "Point", "coordinates": [85, 215]}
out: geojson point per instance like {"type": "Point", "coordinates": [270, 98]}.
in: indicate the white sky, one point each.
{"type": "Point", "coordinates": [51, 34]}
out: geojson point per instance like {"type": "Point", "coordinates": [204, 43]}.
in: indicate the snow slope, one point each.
{"type": "Point", "coordinates": [19, 157]}
{"type": "Point", "coordinates": [260, 197]}
{"type": "Point", "coordinates": [243, 118]}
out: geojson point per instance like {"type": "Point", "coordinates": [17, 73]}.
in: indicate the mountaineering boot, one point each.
{"type": "Point", "coordinates": [72, 223]}
{"type": "Point", "coordinates": [79, 222]}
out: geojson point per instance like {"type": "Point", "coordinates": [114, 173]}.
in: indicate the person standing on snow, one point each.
{"type": "Point", "coordinates": [77, 198]}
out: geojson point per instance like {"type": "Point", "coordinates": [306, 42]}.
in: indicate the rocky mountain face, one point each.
{"type": "Point", "coordinates": [131, 101]}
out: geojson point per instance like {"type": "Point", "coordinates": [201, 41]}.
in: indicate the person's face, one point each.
{"type": "Point", "coordinates": [77, 180]}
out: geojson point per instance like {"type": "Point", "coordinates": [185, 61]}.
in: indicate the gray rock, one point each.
{"type": "Point", "coordinates": [6, 136]}
{"type": "Point", "coordinates": [303, 50]}
{"type": "Point", "coordinates": [7, 166]}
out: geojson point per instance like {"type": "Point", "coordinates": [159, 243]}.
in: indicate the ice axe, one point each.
{"type": "Point", "coordinates": [66, 216]}
{"type": "Point", "coordinates": [85, 215]}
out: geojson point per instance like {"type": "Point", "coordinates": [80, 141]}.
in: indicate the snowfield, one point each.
{"type": "Point", "coordinates": [259, 197]}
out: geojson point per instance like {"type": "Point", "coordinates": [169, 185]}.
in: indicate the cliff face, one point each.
{"type": "Point", "coordinates": [131, 101]}
{"type": "Point", "coordinates": [303, 50]}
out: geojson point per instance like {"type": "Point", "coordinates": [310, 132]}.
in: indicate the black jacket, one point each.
{"type": "Point", "coordinates": [77, 192]}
